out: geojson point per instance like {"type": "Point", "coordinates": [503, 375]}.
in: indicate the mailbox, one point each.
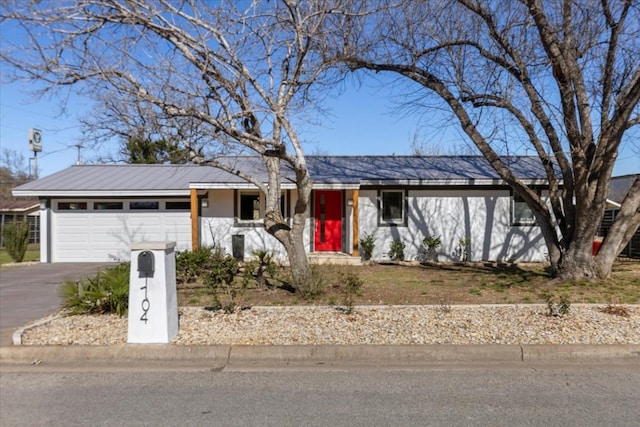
{"type": "Point", "coordinates": [153, 303]}
{"type": "Point", "coordinates": [146, 263]}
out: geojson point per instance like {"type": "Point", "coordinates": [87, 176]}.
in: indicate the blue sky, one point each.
{"type": "Point", "coordinates": [363, 120]}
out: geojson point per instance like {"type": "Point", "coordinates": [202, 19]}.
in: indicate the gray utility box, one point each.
{"type": "Point", "coordinates": [237, 246]}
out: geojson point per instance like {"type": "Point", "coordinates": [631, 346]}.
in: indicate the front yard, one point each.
{"type": "Point", "coordinates": [418, 284]}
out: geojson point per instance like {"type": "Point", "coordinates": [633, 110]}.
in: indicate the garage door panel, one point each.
{"type": "Point", "coordinates": [73, 221]}
{"type": "Point", "coordinates": [75, 238]}
{"type": "Point", "coordinates": [106, 236]}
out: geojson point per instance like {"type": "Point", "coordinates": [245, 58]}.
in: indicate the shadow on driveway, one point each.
{"type": "Point", "coordinates": [30, 292]}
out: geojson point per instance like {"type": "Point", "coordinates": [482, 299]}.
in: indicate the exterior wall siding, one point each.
{"type": "Point", "coordinates": [483, 216]}
{"type": "Point", "coordinates": [218, 226]}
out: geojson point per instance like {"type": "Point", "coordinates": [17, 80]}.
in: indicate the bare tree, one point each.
{"type": "Point", "coordinates": [14, 170]}
{"type": "Point", "coordinates": [235, 73]}
{"type": "Point", "coordinates": [562, 76]}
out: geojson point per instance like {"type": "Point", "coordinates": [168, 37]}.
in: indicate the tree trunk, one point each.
{"type": "Point", "coordinates": [291, 236]}
{"type": "Point", "coordinates": [293, 242]}
{"type": "Point", "coordinates": [577, 262]}
{"type": "Point", "coordinates": [299, 264]}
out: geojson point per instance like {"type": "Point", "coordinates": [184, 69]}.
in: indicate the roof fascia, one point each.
{"type": "Point", "coordinates": [94, 193]}
{"type": "Point", "coordinates": [447, 182]}
{"type": "Point", "coordinates": [284, 186]}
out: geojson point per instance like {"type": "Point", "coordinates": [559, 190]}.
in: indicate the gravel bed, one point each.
{"type": "Point", "coordinates": [495, 324]}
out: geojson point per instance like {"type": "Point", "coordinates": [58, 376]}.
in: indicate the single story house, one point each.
{"type": "Point", "coordinates": [93, 212]}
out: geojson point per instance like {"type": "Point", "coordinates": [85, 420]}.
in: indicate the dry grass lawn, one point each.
{"type": "Point", "coordinates": [411, 283]}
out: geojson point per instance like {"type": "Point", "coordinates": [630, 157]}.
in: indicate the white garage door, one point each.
{"type": "Point", "coordinates": [84, 231]}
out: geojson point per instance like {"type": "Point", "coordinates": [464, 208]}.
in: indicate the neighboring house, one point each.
{"type": "Point", "coordinates": [619, 188]}
{"type": "Point", "coordinates": [93, 212]}
{"type": "Point", "coordinates": [21, 210]}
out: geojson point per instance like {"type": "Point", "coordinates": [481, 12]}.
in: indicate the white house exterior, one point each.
{"type": "Point", "coordinates": [93, 212]}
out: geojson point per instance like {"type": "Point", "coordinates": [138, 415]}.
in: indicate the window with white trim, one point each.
{"type": "Point", "coordinates": [392, 207]}
{"type": "Point", "coordinates": [521, 213]}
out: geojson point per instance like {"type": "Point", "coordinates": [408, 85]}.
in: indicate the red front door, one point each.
{"type": "Point", "coordinates": [328, 218]}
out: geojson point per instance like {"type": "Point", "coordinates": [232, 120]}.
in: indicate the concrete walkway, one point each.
{"type": "Point", "coordinates": [30, 292]}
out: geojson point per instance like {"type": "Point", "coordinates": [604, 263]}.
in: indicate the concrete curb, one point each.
{"type": "Point", "coordinates": [247, 355]}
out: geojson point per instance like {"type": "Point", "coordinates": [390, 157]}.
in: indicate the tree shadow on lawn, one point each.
{"type": "Point", "coordinates": [518, 272]}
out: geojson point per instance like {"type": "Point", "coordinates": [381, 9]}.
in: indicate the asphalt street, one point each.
{"type": "Point", "coordinates": [484, 394]}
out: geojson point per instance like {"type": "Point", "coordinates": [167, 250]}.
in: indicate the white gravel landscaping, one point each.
{"type": "Point", "coordinates": [485, 324]}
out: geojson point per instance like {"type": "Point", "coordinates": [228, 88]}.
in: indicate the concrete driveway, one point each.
{"type": "Point", "coordinates": [30, 292]}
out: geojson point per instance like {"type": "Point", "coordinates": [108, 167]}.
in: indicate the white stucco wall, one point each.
{"type": "Point", "coordinates": [483, 216]}
{"type": "Point", "coordinates": [480, 215]}
{"type": "Point", "coordinates": [218, 225]}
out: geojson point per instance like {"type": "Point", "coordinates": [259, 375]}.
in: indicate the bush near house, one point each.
{"type": "Point", "coordinates": [107, 292]}
{"type": "Point", "coordinates": [367, 245]}
{"type": "Point", "coordinates": [396, 250]}
{"type": "Point", "coordinates": [16, 239]}
{"type": "Point", "coordinates": [430, 245]}
{"type": "Point", "coordinates": [191, 265]}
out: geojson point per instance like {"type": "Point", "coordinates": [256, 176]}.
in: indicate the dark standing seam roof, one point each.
{"type": "Point", "coordinates": [323, 170]}
{"type": "Point", "coordinates": [356, 169]}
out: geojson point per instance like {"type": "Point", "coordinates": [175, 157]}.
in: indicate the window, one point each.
{"type": "Point", "coordinates": [107, 206]}
{"type": "Point", "coordinates": [521, 213]}
{"type": "Point", "coordinates": [72, 206]}
{"type": "Point", "coordinates": [249, 206]}
{"type": "Point", "coordinates": [392, 209]}
{"type": "Point", "coordinates": [144, 206]}
{"type": "Point", "coordinates": [178, 206]}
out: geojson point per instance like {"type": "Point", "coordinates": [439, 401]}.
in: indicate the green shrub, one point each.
{"type": "Point", "coordinates": [557, 309]}
{"type": "Point", "coordinates": [107, 292]}
{"type": "Point", "coordinates": [314, 285]}
{"type": "Point", "coordinates": [262, 266]}
{"type": "Point", "coordinates": [352, 287]}
{"type": "Point", "coordinates": [190, 265]}
{"type": "Point", "coordinates": [16, 239]}
{"type": "Point", "coordinates": [396, 250]}
{"type": "Point", "coordinates": [430, 245]}
{"type": "Point", "coordinates": [463, 251]}
{"type": "Point", "coordinates": [221, 270]}
{"type": "Point", "coordinates": [367, 244]}
{"type": "Point", "coordinates": [219, 277]}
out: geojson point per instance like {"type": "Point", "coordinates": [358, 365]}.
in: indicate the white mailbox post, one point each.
{"type": "Point", "coordinates": [153, 304]}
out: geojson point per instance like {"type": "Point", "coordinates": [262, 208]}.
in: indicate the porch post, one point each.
{"type": "Point", "coordinates": [355, 252]}
{"type": "Point", "coordinates": [46, 254]}
{"type": "Point", "coordinates": [194, 219]}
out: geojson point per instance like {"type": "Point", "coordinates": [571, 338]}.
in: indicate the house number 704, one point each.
{"type": "Point", "coordinates": [145, 305]}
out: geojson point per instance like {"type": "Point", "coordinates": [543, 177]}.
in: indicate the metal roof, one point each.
{"type": "Point", "coordinates": [417, 169]}
{"type": "Point", "coordinates": [18, 206]}
{"type": "Point", "coordinates": [337, 171]}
